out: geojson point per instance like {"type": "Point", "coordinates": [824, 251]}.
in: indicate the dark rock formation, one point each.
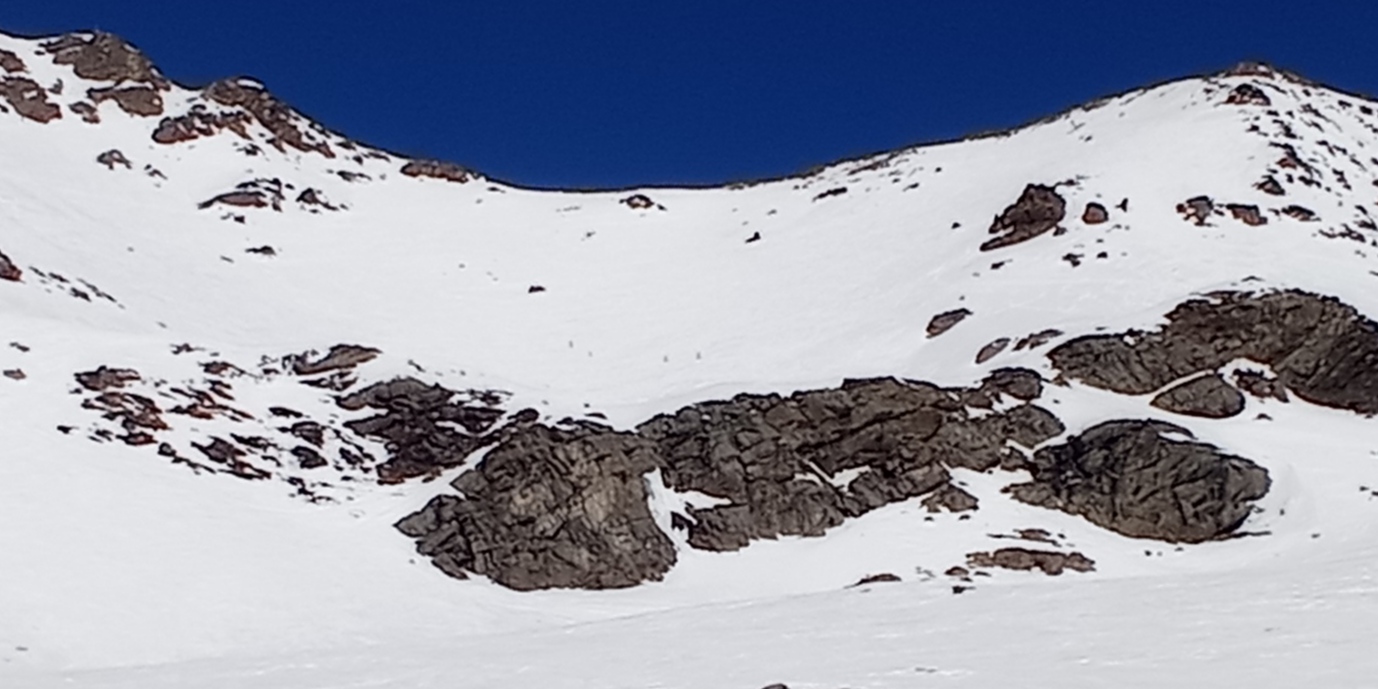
{"type": "Point", "coordinates": [1300, 213]}
{"type": "Point", "coordinates": [1321, 349]}
{"type": "Point", "coordinates": [113, 157]}
{"type": "Point", "coordinates": [944, 321]}
{"type": "Point", "coordinates": [1247, 94]}
{"type": "Point", "coordinates": [638, 202]}
{"type": "Point", "coordinates": [449, 172]}
{"type": "Point", "coordinates": [104, 57]}
{"type": "Point", "coordinates": [104, 378]}
{"type": "Point", "coordinates": [1050, 562]}
{"type": "Point", "coordinates": [8, 270]}
{"type": "Point", "coordinates": [776, 462]}
{"type": "Point", "coordinates": [550, 509]}
{"type": "Point", "coordinates": [950, 498]}
{"type": "Point", "coordinates": [989, 351]}
{"type": "Point", "coordinates": [1260, 385]}
{"type": "Point", "coordinates": [1038, 210]}
{"type": "Point", "coordinates": [85, 111]}
{"type": "Point", "coordinates": [340, 356]}
{"type": "Point", "coordinates": [1197, 209]}
{"type": "Point", "coordinates": [29, 99]}
{"type": "Point", "coordinates": [1038, 339]}
{"type": "Point", "coordinates": [274, 115]}
{"type": "Point", "coordinates": [1094, 214]}
{"type": "Point", "coordinates": [1269, 185]}
{"type": "Point", "coordinates": [1129, 477]}
{"type": "Point", "coordinates": [1207, 396]}
{"type": "Point", "coordinates": [417, 424]}
{"type": "Point", "coordinates": [144, 101]}
{"type": "Point", "coordinates": [1248, 214]}
{"type": "Point", "coordinates": [199, 123]}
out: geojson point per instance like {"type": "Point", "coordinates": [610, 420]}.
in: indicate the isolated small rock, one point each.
{"type": "Point", "coordinates": [1248, 94]}
{"type": "Point", "coordinates": [1050, 562]}
{"type": "Point", "coordinates": [8, 270]}
{"type": "Point", "coordinates": [1038, 210]}
{"type": "Point", "coordinates": [1094, 214]}
{"type": "Point", "coordinates": [1197, 209]}
{"type": "Point", "coordinates": [449, 172]}
{"type": "Point", "coordinates": [1247, 214]}
{"type": "Point", "coordinates": [989, 351]}
{"type": "Point", "coordinates": [113, 157]}
{"type": "Point", "coordinates": [944, 321]}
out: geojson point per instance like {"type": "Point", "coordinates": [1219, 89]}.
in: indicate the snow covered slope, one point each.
{"type": "Point", "coordinates": [230, 235]}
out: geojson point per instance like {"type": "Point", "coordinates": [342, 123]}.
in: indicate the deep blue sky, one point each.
{"type": "Point", "coordinates": [614, 93]}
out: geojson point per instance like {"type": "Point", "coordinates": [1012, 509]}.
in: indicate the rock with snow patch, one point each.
{"type": "Point", "coordinates": [1038, 210]}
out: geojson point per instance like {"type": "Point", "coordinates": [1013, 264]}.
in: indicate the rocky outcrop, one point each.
{"type": "Point", "coordinates": [1260, 385]}
{"type": "Point", "coordinates": [944, 321]}
{"type": "Point", "coordinates": [1321, 349]}
{"type": "Point", "coordinates": [144, 101]}
{"type": "Point", "coordinates": [424, 427]}
{"type": "Point", "coordinates": [991, 349]}
{"type": "Point", "coordinates": [1197, 209]}
{"type": "Point", "coordinates": [1246, 213]}
{"type": "Point", "coordinates": [340, 357]}
{"type": "Point", "coordinates": [1207, 396]}
{"type": "Point", "coordinates": [274, 115]}
{"type": "Point", "coordinates": [104, 57]}
{"type": "Point", "coordinates": [1247, 94]}
{"type": "Point", "coordinates": [1038, 210]}
{"type": "Point", "coordinates": [778, 466]}
{"type": "Point", "coordinates": [11, 62]}
{"type": "Point", "coordinates": [29, 99]}
{"type": "Point", "coordinates": [550, 508]}
{"type": "Point", "coordinates": [199, 123]}
{"type": "Point", "coordinates": [1133, 478]}
{"type": "Point", "coordinates": [449, 172]}
{"type": "Point", "coordinates": [105, 378]}
{"type": "Point", "coordinates": [8, 270]}
{"type": "Point", "coordinates": [1049, 562]}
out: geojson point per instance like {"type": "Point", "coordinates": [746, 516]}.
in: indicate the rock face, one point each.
{"type": "Point", "coordinates": [104, 57]}
{"type": "Point", "coordinates": [274, 115]}
{"type": "Point", "coordinates": [199, 123]}
{"type": "Point", "coordinates": [29, 99]}
{"type": "Point", "coordinates": [1207, 397]}
{"type": "Point", "coordinates": [425, 429]}
{"type": "Point", "coordinates": [779, 466]}
{"type": "Point", "coordinates": [340, 356]}
{"type": "Point", "coordinates": [1129, 477]}
{"type": "Point", "coordinates": [1321, 349]}
{"type": "Point", "coordinates": [551, 508]}
{"type": "Point", "coordinates": [1248, 214]}
{"type": "Point", "coordinates": [1038, 210]}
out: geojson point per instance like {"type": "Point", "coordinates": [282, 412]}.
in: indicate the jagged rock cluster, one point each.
{"type": "Point", "coordinates": [778, 466]}
{"type": "Point", "coordinates": [1133, 478]}
{"type": "Point", "coordinates": [1324, 351]}
{"type": "Point", "coordinates": [1038, 210]}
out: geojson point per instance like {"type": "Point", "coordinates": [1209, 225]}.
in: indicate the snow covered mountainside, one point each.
{"type": "Point", "coordinates": [284, 410]}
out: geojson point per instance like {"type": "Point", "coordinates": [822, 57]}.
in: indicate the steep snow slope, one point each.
{"type": "Point", "coordinates": [121, 568]}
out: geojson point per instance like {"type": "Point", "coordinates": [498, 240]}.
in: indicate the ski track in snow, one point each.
{"type": "Point", "coordinates": [118, 569]}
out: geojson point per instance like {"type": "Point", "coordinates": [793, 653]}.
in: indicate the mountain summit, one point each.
{"type": "Point", "coordinates": [282, 408]}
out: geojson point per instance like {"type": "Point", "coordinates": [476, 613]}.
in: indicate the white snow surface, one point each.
{"type": "Point", "coordinates": [120, 569]}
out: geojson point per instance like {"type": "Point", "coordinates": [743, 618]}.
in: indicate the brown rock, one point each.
{"type": "Point", "coordinates": [638, 202]}
{"type": "Point", "coordinates": [11, 63]}
{"type": "Point", "coordinates": [1247, 94]}
{"type": "Point", "coordinates": [104, 57]}
{"type": "Point", "coordinates": [1207, 397]}
{"type": "Point", "coordinates": [1038, 210]}
{"type": "Point", "coordinates": [144, 101]}
{"type": "Point", "coordinates": [989, 351]}
{"type": "Point", "coordinates": [1248, 214]}
{"type": "Point", "coordinates": [439, 170]}
{"type": "Point", "coordinates": [274, 115]}
{"type": "Point", "coordinates": [86, 111]}
{"type": "Point", "coordinates": [8, 270]}
{"type": "Point", "coordinates": [944, 321]}
{"type": "Point", "coordinates": [1050, 562]}
{"type": "Point", "coordinates": [14, 374]}
{"type": "Point", "coordinates": [1197, 209]}
{"type": "Point", "coordinates": [199, 123]}
{"type": "Point", "coordinates": [340, 356]}
{"type": "Point", "coordinates": [1300, 213]}
{"type": "Point", "coordinates": [1094, 214]}
{"type": "Point", "coordinates": [105, 378]}
{"type": "Point", "coordinates": [1270, 185]}
{"type": "Point", "coordinates": [950, 498]}
{"type": "Point", "coordinates": [113, 157]}
{"type": "Point", "coordinates": [1260, 385]}
{"type": "Point", "coordinates": [29, 99]}
{"type": "Point", "coordinates": [882, 578]}
{"type": "Point", "coordinates": [1038, 339]}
